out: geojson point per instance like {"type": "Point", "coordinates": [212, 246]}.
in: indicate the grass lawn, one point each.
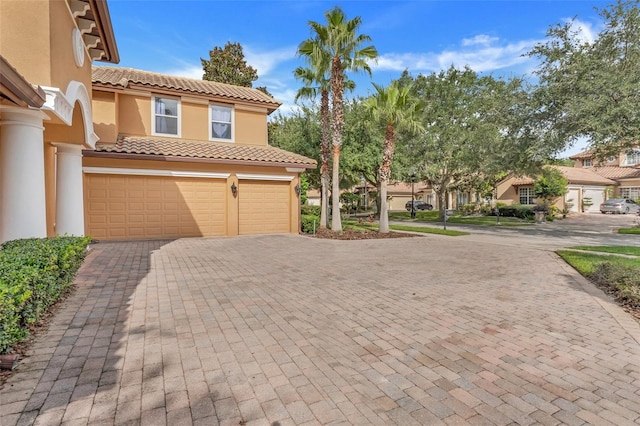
{"type": "Point", "coordinates": [432, 216]}
{"type": "Point", "coordinates": [629, 250]}
{"type": "Point", "coordinates": [634, 230]}
{"type": "Point", "coordinates": [422, 229]}
{"type": "Point", "coordinates": [586, 263]}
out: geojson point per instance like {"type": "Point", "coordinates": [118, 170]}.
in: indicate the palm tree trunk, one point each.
{"type": "Point", "coordinates": [385, 174]}
{"type": "Point", "coordinates": [337, 125]}
{"type": "Point", "coordinates": [336, 223]}
{"type": "Point", "coordinates": [384, 209]}
{"type": "Point", "coordinates": [324, 157]}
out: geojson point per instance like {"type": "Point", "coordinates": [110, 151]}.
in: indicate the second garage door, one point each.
{"type": "Point", "coordinates": [130, 206]}
{"type": "Point", "coordinates": [264, 207]}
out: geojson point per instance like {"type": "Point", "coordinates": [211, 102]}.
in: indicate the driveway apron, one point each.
{"type": "Point", "coordinates": [290, 330]}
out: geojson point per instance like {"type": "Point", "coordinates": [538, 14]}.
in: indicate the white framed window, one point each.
{"type": "Point", "coordinates": [587, 162]}
{"type": "Point", "coordinates": [611, 159]}
{"type": "Point", "coordinates": [221, 123]}
{"type": "Point", "coordinates": [632, 158]}
{"type": "Point", "coordinates": [166, 116]}
{"type": "Point", "coordinates": [526, 196]}
{"type": "Point", "coordinates": [632, 192]}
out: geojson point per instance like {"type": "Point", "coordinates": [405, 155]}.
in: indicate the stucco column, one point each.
{"type": "Point", "coordinates": [69, 193]}
{"type": "Point", "coordinates": [23, 207]}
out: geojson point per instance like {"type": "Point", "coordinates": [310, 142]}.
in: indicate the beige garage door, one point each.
{"type": "Point", "coordinates": [264, 207]}
{"type": "Point", "coordinates": [127, 206]}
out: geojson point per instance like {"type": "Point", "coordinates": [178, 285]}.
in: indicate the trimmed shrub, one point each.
{"type": "Point", "coordinates": [310, 223]}
{"type": "Point", "coordinates": [516, 210]}
{"type": "Point", "coordinates": [34, 274]}
{"type": "Point", "coordinates": [306, 209]}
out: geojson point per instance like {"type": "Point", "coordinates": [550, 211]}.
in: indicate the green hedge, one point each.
{"type": "Point", "coordinates": [310, 210]}
{"type": "Point", "coordinates": [310, 223]}
{"type": "Point", "coordinates": [515, 210]}
{"type": "Point", "coordinates": [623, 280]}
{"type": "Point", "coordinates": [34, 274]}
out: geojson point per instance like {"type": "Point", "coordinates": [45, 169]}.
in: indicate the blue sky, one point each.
{"type": "Point", "coordinates": [422, 36]}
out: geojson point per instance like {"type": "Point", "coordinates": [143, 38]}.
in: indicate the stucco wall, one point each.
{"type": "Point", "coordinates": [130, 113]}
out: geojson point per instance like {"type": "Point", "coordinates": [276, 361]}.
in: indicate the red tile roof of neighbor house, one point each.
{"type": "Point", "coordinates": [129, 78]}
{"type": "Point", "coordinates": [220, 152]}
{"type": "Point", "coordinates": [573, 175]}
{"type": "Point", "coordinates": [584, 154]}
{"type": "Point", "coordinates": [616, 172]}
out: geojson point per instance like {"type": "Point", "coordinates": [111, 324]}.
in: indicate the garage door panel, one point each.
{"type": "Point", "coordinates": [121, 207]}
{"type": "Point", "coordinates": [264, 207]}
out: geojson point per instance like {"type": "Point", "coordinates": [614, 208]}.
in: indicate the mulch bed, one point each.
{"type": "Point", "coordinates": [351, 234]}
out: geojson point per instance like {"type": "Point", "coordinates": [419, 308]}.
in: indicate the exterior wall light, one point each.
{"type": "Point", "coordinates": [297, 189]}
{"type": "Point", "coordinates": [234, 190]}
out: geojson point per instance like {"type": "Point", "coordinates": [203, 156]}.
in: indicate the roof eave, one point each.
{"type": "Point", "coordinates": [178, 159]}
{"type": "Point", "coordinates": [17, 89]}
{"type": "Point", "coordinates": [101, 11]}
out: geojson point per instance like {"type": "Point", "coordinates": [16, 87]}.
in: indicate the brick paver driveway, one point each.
{"type": "Point", "coordinates": [292, 330]}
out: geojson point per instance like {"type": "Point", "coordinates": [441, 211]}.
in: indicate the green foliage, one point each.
{"type": "Point", "coordinates": [516, 210]}
{"type": "Point", "coordinates": [304, 187]}
{"type": "Point", "coordinates": [227, 65]}
{"type": "Point", "coordinates": [310, 223]}
{"type": "Point", "coordinates": [550, 184]}
{"type": "Point", "coordinates": [476, 131]}
{"type": "Point", "coordinates": [310, 210]}
{"type": "Point", "coordinates": [633, 231]}
{"type": "Point", "coordinates": [624, 280]}
{"type": "Point", "coordinates": [34, 274]}
{"type": "Point", "coordinates": [590, 89]}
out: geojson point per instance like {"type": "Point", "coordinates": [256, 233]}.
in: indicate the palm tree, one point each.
{"type": "Point", "coordinates": [339, 41]}
{"type": "Point", "coordinates": [316, 78]}
{"type": "Point", "coordinates": [395, 109]}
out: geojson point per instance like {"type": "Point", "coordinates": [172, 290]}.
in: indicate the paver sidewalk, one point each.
{"type": "Point", "coordinates": [286, 330]}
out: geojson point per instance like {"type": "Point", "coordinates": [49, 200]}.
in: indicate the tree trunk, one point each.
{"type": "Point", "coordinates": [384, 212]}
{"type": "Point", "coordinates": [442, 203]}
{"type": "Point", "coordinates": [337, 125]}
{"type": "Point", "coordinates": [385, 174]}
{"type": "Point", "coordinates": [336, 223]}
{"type": "Point", "coordinates": [324, 157]}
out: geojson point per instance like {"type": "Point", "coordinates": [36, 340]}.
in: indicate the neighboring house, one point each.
{"type": "Point", "coordinates": [46, 117]}
{"type": "Point", "coordinates": [120, 153]}
{"type": "Point", "coordinates": [313, 197]}
{"type": "Point", "coordinates": [181, 157]}
{"type": "Point", "coordinates": [624, 169]}
{"type": "Point", "coordinates": [586, 190]}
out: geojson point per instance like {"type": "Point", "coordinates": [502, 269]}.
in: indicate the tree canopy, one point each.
{"type": "Point", "coordinates": [590, 89]}
{"type": "Point", "coordinates": [227, 65]}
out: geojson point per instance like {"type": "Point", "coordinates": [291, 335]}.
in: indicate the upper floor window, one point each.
{"type": "Point", "coordinates": [611, 159]}
{"type": "Point", "coordinates": [221, 118]}
{"type": "Point", "coordinates": [632, 157]}
{"type": "Point", "coordinates": [166, 116]}
{"type": "Point", "coordinates": [587, 162]}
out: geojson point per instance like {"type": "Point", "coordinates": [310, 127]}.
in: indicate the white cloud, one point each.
{"type": "Point", "coordinates": [266, 61]}
{"type": "Point", "coordinates": [189, 71]}
{"type": "Point", "coordinates": [481, 53]}
{"type": "Point", "coordinates": [479, 39]}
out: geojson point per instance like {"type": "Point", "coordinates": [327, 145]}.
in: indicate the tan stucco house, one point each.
{"type": "Point", "coordinates": [181, 157]}
{"type": "Point", "coordinates": [120, 153]}
{"type": "Point", "coordinates": [586, 190]}
{"type": "Point", "coordinates": [624, 169]}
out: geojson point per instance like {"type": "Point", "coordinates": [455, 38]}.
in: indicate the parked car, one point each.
{"type": "Point", "coordinates": [620, 206]}
{"type": "Point", "coordinates": [418, 205]}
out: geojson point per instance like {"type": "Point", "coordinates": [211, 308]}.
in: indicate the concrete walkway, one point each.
{"type": "Point", "coordinates": [284, 330]}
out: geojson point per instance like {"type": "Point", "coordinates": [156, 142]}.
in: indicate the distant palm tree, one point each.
{"type": "Point", "coordinates": [316, 78]}
{"type": "Point", "coordinates": [338, 40]}
{"type": "Point", "coordinates": [395, 109]}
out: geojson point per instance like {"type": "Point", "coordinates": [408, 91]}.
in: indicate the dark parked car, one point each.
{"type": "Point", "coordinates": [620, 205]}
{"type": "Point", "coordinates": [418, 205]}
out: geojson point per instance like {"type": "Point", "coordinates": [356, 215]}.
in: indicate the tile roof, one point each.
{"type": "Point", "coordinates": [584, 154]}
{"type": "Point", "coordinates": [222, 152]}
{"type": "Point", "coordinates": [574, 175]}
{"type": "Point", "coordinates": [616, 172]}
{"type": "Point", "coordinates": [128, 77]}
